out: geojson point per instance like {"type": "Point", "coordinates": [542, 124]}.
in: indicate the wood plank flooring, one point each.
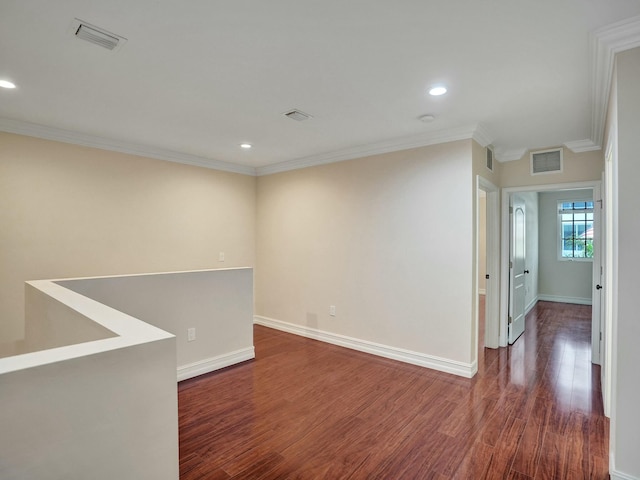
{"type": "Point", "coordinates": [309, 410]}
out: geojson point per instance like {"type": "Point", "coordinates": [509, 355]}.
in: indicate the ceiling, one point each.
{"type": "Point", "coordinates": [196, 79]}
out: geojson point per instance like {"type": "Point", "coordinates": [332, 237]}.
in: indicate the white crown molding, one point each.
{"type": "Point", "coordinates": [392, 145]}
{"type": "Point", "coordinates": [482, 136]}
{"type": "Point", "coordinates": [510, 155]}
{"type": "Point", "coordinates": [605, 43]}
{"type": "Point", "coordinates": [580, 146]}
{"type": "Point", "coordinates": [66, 136]}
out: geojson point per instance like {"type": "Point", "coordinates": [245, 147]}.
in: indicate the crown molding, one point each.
{"type": "Point", "coordinates": [66, 136]}
{"type": "Point", "coordinates": [510, 155]}
{"type": "Point", "coordinates": [604, 44]}
{"type": "Point", "coordinates": [482, 136]}
{"type": "Point", "coordinates": [580, 146]}
{"type": "Point", "coordinates": [387, 146]}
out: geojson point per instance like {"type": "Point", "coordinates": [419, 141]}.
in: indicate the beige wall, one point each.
{"type": "Point", "coordinates": [387, 239]}
{"type": "Point", "coordinates": [577, 167]}
{"type": "Point", "coordinates": [71, 211]}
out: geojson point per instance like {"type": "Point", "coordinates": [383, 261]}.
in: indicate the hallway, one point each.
{"type": "Point", "coordinates": [309, 410]}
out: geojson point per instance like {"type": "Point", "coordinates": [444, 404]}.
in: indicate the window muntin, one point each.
{"type": "Point", "coordinates": [575, 222]}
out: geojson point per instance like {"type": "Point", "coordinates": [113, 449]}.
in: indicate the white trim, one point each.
{"type": "Point", "coordinates": [86, 140]}
{"type": "Point", "coordinates": [415, 358]}
{"type": "Point", "coordinates": [580, 146]}
{"type": "Point", "coordinates": [492, 305]}
{"type": "Point", "coordinates": [393, 145]}
{"type": "Point", "coordinates": [561, 299]}
{"type": "Point", "coordinates": [605, 43]}
{"type": "Point", "coordinates": [510, 155]}
{"type": "Point", "coordinates": [615, 475]}
{"type": "Point", "coordinates": [482, 291]}
{"type": "Point", "coordinates": [215, 363]}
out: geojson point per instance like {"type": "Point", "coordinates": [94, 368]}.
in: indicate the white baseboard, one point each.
{"type": "Point", "coordinates": [215, 363]}
{"type": "Point", "coordinates": [462, 369]}
{"type": "Point", "coordinates": [555, 298]}
{"type": "Point", "coordinates": [482, 291]}
{"type": "Point", "coordinates": [621, 476]}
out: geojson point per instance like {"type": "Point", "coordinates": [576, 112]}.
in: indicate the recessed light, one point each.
{"type": "Point", "coordinates": [7, 84]}
{"type": "Point", "coordinates": [435, 91]}
{"type": "Point", "coordinates": [246, 145]}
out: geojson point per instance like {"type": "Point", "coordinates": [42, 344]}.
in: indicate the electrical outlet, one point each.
{"type": "Point", "coordinates": [191, 334]}
{"type": "Point", "coordinates": [221, 257]}
{"type": "Point", "coordinates": [332, 310]}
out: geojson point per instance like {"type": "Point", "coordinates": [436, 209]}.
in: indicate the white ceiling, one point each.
{"type": "Point", "coordinates": [197, 78]}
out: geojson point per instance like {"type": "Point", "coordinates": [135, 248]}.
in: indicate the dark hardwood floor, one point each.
{"type": "Point", "coordinates": [309, 410]}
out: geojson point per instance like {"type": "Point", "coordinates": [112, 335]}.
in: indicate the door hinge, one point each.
{"type": "Point", "coordinates": [600, 336]}
{"type": "Point", "coordinates": [510, 320]}
{"type": "Point", "coordinates": [487, 276]}
{"type": "Point", "coordinates": [511, 210]}
{"type": "Point", "coordinates": [510, 264]}
{"type": "Point", "coordinates": [600, 202]}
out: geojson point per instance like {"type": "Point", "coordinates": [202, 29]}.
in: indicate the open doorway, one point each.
{"type": "Point", "coordinates": [487, 264]}
{"type": "Point", "coordinates": [567, 266]}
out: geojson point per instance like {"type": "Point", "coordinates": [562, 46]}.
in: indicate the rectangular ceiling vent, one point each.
{"type": "Point", "coordinates": [297, 115]}
{"type": "Point", "coordinates": [96, 35]}
{"type": "Point", "coordinates": [490, 157]}
{"type": "Point", "coordinates": [546, 161]}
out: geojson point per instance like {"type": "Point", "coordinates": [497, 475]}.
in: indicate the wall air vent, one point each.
{"type": "Point", "coordinates": [490, 157]}
{"type": "Point", "coordinates": [546, 161]}
{"type": "Point", "coordinates": [98, 36]}
{"type": "Point", "coordinates": [297, 115]}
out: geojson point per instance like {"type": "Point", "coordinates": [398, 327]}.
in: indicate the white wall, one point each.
{"type": "Point", "coordinates": [217, 303]}
{"type": "Point", "coordinates": [625, 417]}
{"type": "Point", "coordinates": [386, 239]}
{"type": "Point", "coordinates": [99, 406]}
{"type": "Point", "coordinates": [563, 281]}
{"type": "Point", "coordinates": [70, 211]}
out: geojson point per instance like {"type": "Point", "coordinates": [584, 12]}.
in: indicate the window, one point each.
{"type": "Point", "coordinates": [575, 220]}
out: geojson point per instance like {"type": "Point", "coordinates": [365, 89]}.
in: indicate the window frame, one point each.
{"type": "Point", "coordinates": [559, 232]}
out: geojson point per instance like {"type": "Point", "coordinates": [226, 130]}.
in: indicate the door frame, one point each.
{"type": "Point", "coordinates": [492, 286]}
{"type": "Point", "coordinates": [504, 255]}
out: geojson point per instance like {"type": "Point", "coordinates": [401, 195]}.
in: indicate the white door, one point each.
{"type": "Point", "coordinates": [517, 270]}
{"type": "Point", "coordinates": [598, 297]}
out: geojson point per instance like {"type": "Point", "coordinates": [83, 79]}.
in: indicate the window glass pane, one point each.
{"type": "Point", "coordinates": [576, 229]}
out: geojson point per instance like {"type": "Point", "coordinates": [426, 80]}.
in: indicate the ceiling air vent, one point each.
{"type": "Point", "coordinates": [546, 161]}
{"type": "Point", "coordinates": [297, 115]}
{"type": "Point", "coordinates": [96, 35]}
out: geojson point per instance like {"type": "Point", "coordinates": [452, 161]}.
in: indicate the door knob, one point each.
{"type": "Point", "coordinates": [598, 287]}
{"type": "Point", "coordinates": [526, 271]}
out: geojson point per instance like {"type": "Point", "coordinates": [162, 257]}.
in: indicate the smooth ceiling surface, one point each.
{"type": "Point", "coordinates": [200, 77]}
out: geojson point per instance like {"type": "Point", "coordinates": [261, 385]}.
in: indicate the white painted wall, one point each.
{"type": "Point", "coordinates": [99, 407]}
{"type": "Point", "coordinates": [563, 281]}
{"type": "Point", "coordinates": [217, 303]}
{"type": "Point", "coordinates": [625, 418]}
{"type": "Point", "coordinates": [386, 239]}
